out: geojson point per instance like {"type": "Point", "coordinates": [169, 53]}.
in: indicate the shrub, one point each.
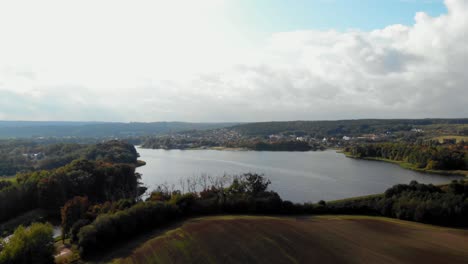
{"type": "Point", "coordinates": [108, 229]}
{"type": "Point", "coordinates": [34, 244]}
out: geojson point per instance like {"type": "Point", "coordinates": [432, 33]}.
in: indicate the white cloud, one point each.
{"type": "Point", "coordinates": [149, 60]}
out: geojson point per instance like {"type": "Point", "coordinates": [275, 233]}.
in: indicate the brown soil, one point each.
{"type": "Point", "coordinates": [298, 240]}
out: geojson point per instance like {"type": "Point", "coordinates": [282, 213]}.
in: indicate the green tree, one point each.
{"type": "Point", "coordinates": [34, 244]}
{"type": "Point", "coordinates": [255, 183]}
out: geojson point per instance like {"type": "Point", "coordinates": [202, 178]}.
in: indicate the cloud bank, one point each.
{"type": "Point", "coordinates": [396, 72]}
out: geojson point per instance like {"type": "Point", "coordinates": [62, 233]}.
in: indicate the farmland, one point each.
{"type": "Point", "coordinates": [321, 239]}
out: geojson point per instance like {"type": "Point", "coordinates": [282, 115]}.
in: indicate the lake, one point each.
{"type": "Point", "coordinates": [296, 176]}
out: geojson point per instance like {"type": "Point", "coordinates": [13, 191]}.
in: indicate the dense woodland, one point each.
{"type": "Point", "coordinates": [50, 190]}
{"type": "Point", "coordinates": [423, 155]}
{"type": "Point", "coordinates": [101, 172]}
{"type": "Point", "coordinates": [25, 155]}
{"type": "Point", "coordinates": [102, 176]}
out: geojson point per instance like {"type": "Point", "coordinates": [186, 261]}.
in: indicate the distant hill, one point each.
{"type": "Point", "coordinates": [44, 123]}
{"type": "Point", "coordinates": [341, 127]}
{"type": "Point", "coordinates": [28, 129]}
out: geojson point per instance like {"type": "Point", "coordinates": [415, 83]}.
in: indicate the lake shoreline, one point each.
{"type": "Point", "coordinates": [408, 166]}
{"type": "Point", "coordinates": [297, 176]}
{"type": "Point", "coordinates": [402, 164]}
{"type": "Point", "coordinates": [235, 149]}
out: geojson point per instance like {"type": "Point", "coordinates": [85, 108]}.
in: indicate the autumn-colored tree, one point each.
{"type": "Point", "coordinates": [73, 210]}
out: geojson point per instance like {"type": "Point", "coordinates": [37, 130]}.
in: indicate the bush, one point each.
{"type": "Point", "coordinates": [34, 244]}
{"type": "Point", "coordinates": [108, 229]}
{"type": "Point", "coordinates": [76, 228]}
{"type": "Point", "coordinates": [184, 202]}
{"type": "Point", "coordinates": [415, 202]}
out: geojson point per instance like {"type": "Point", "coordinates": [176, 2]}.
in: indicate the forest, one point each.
{"type": "Point", "coordinates": [101, 172]}
{"type": "Point", "coordinates": [26, 155]}
{"type": "Point", "coordinates": [422, 155]}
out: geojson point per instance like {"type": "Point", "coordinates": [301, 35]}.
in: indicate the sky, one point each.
{"type": "Point", "coordinates": [232, 60]}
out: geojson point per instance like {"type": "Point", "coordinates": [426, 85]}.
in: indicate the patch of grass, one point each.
{"type": "Point", "coordinates": [8, 178]}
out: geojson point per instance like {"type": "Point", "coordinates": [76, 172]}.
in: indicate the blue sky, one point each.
{"type": "Point", "coordinates": [287, 15]}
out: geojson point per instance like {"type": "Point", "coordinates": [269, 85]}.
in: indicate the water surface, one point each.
{"type": "Point", "coordinates": [296, 176]}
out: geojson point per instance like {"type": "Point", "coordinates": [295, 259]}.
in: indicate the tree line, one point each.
{"type": "Point", "coordinates": [249, 194]}
{"type": "Point", "coordinates": [96, 226]}
{"type": "Point", "coordinates": [426, 203]}
{"type": "Point", "coordinates": [246, 194]}
{"type": "Point", "coordinates": [423, 155]}
{"type": "Point", "coordinates": [282, 146]}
